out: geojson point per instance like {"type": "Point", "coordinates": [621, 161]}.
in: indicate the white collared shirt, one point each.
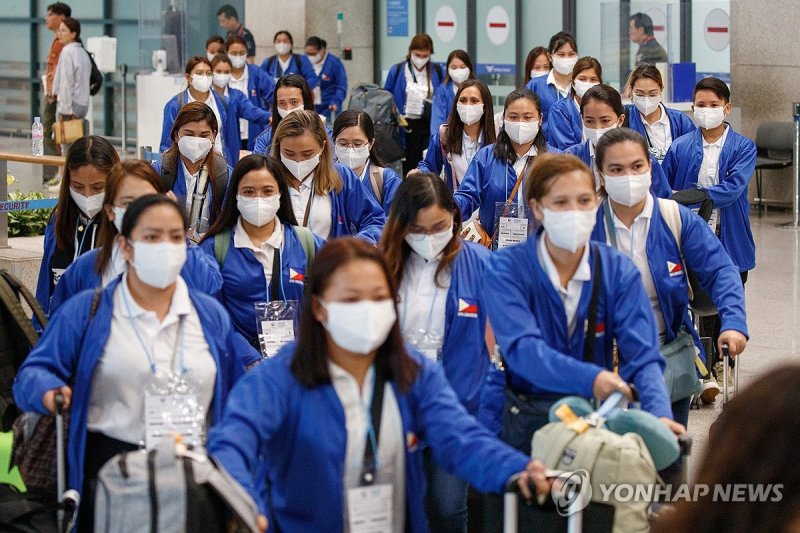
{"type": "Point", "coordinates": [318, 66]}
{"type": "Point", "coordinates": [519, 167]}
{"type": "Point", "coordinates": [320, 215]}
{"type": "Point", "coordinates": [391, 442]}
{"type": "Point", "coordinates": [660, 131]}
{"type": "Point", "coordinates": [563, 92]}
{"type": "Point", "coordinates": [191, 180]}
{"type": "Point", "coordinates": [241, 85]}
{"type": "Point", "coordinates": [264, 253]}
{"type": "Point", "coordinates": [709, 168]}
{"type": "Point", "coordinates": [422, 303]}
{"type": "Point", "coordinates": [633, 243]}
{"type": "Point", "coordinates": [212, 103]}
{"type": "Point", "coordinates": [284, 64]}
{"type": "Point", "coordinates": [122, 374]}
{"type": "Point", "coordinates": [571, 295]}
{"type": "Point", "coordinates": [470, 149]}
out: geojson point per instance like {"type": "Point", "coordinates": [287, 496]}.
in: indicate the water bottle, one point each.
{"type": "Point", "coordinates": [37, 137]}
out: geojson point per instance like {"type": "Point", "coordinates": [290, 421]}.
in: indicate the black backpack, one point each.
{"type": "Point", "coordinates": [95, 78]}
{"type": "Point", "coordinates": [379, 104]}
{"type": "Point", "coordinates": [17, 337]}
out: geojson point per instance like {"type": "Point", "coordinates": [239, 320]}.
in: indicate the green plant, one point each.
{"type": "Point", "coordinates": [25, 223]}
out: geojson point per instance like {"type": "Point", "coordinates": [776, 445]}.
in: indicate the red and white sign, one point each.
{"type": "Point", "coordinates": [717, 30]}
{"type": "Point", "coordinates": [446, 24]}
{"type": "Point", "coordinates": [659, 25]}
{"type": "Point", "coordinates": [498, 25]}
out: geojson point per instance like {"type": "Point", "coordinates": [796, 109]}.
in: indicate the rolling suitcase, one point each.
{"type": "Point", "coordinates": [574, 518]}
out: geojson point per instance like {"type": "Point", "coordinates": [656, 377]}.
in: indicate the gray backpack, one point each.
{"type": "Point", "coordinates": [379, 104]}
{"type": "Point", "coordinates": [170, 489]}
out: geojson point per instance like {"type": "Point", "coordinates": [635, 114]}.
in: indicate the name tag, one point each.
{"type": "Point", "coordinates": [274, 334]}
{"type": "Point", "coordinates": [512, 231]}
{"type": "Point", "coordinates": [167, 415]}
{"type": "Point", "coordinates": [369, 509]}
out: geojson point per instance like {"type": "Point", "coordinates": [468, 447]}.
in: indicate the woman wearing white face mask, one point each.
{"type": "Point", "coordinates": [327, 197]}
{"type": "Point", "coordinates": [557, 83]}
{"type": "Point", "coordinates": [350, 379]}
{"type": "Point", "coordinates": [469, 128]}
{"type": "Point", "coordinates": [459, 70]}
{"type": "Point", "coordinates": [601, 112]}
{"type": "Point", "coordinates": [261, 251]}
{"type": "Point", "coordinates": [292, 93]}
{"type": "Point", "coordinates": [200, 80]}
{"type": "Point", "coordinates": [332, 78]}
{"type": "Point", "coordinates": [437, 271]}
{"type": "Point", "coordinates": [285, 62]}
{"type": "Point", "coordinates": [73, 227]}
{"type": "Point", "coordinates": [563, 126]}
{"type": "Point", "coordinates": [537, 64]}
{"type": "Point", "coordinates": [107, 351]}
{"type": "Point", "coordinates": [645, 229]}
{"type": "Point", "coordinates": [493, 183]}
{"type": "Point", "coordinates": [190, 160]}
{"type": "Point", "coordinates": [648, 115]}
{"type": "Point", "coordinates": [354, 145]}
{"type": "Point", "coordinates": [412, 83]}
{"type": "Point", "coordinates": [127, 181]}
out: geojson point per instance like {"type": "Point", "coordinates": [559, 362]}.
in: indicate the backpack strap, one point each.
{"type": "Point", "coordinates": [307, 242]}
{"type": "Point", "coordinates": [376, 180]}
{"type": "Point", "coordinates": [10, 300]}
{"type": "Point", "coordinates": [671, 214]}
{"type": "Point", "coordinates": [222, 241]}
{"type": "Point", "coordinates": [591, 322]}
{"type": "Point", "coordinates": [169, 169]}
{"type": "Point", "coordinates": [220, 178]}
{"type": "Point", "coordinates": [30, 299]}
{"type": "Point", "coordinates": [446, 157]}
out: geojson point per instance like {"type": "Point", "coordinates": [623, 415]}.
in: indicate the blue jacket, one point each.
{"type": "Point", "coordinates": [242, 107]}
{"type": "Point", "coordinates": [564, 127]}
{"type": "Point", "coordinates": [548, 94]}
{"type": "Point", "coordinates": [443, 99]}
{"type": "Point", "coordinates": [355, 209]}
{"type": "Point", "coordinates": [736, 164]}
{"type": "Point", "coordinates": [263, 141]}
{"type": "Point", "coordinates": [333, 85]}
{"type": "Point", "coordinates": [527, 315]}
{"type": "Point", "coordinates": [704, 256]}
{"type": "Point", "coordinates": [488, 181]}
{"type": "Point", "coordinates": [434, 161]}
{"type": "Point", "coordinates": [244, 284]}
{"type": "Point", "coordinates": [298, 64]}
{"type": "Point", "coordinates": [303, 442]}
{"type": "Point", "coordinates": [658, 185]}
{"type": "Point", "coordinates": [73, 344]}
{"type": "Point", "coordinates": [228, 129]}
{"type": "Point", "coordinates": [179, 188]}
{"type": "Point", "coordinates": [199, 272]}
{"type": "Point", "coordinates": [679, 123]}
{"type": "Point", "coordinates": [260, 89]}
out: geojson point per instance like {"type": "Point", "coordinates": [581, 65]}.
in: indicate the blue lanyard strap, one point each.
{"type": "Point", "coordinates": [371, 462]}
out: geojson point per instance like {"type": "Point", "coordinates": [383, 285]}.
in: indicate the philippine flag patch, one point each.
{"type": "Point", "coordinates": [674, 269]}
{"type": "Point", "coordinates": [297, 276]}
{"type": "Point", "coordinates": [468, 308]}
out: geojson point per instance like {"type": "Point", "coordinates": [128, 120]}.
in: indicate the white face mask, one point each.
{"type": "Point", "coordinates": [582, 86]}
{"type": "Point", "coordinates": [210, 56]}
{"type": "Point", "coordinates": [194, 148]}
{"type": "Point", "coordinates": [352, 157]}
{"type": "Point", "coordinates": [89, 205]}
{"type": "Point", "coordinates": [360, 327]}
{"type": "Point", "coordinates": [594, 134]}
{"type": "Point", "coordinates": [709, 117]}
{"type": "Point", "coordinates": [646, 104]}
{"type": "Point", "coordinates": [119, 214]}
{"type": "Point", "coordinates": [284, 112]}
{"type": "Point", "coordinates": [569, 229]}
{"type": "Point", "coordinates": [419, 62]}
{"type": "Point", "coordinates": [458, 75]}
{"type": "Point", "coordinates": [301, 169]}
{"type": "Point", "coordinates": [315, 58]}
{"type": "Point", "coordinates": [258, 211]}
{"type": "Point", "coordinates": [237, 61]}
{"type": "Point", "coordinates": [201, 83]}
{"type": "Point", "coordinates": [564, 65]}
{"type": "Point", "coordinates": [539, 73]}
{"type": "Point", "coordinates": [522, 132]}
{"type": "Point", "coordinates": [283, 48]}
{"type": "Point", "coordinates": [158, 264]}
{"type": "Point", "coordinates": [469, 114]}
{"type": "Point", "coordinates": [221, 80]}
{"type": "Point", "coordinates": [429, 246]}
{"type": "Point", "coordinates": [628, 190]}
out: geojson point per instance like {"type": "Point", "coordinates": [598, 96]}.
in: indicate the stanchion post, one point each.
{"type": "Point", "coordinates": [796, 161]}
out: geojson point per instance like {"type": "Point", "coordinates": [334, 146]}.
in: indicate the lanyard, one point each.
{"type": "Point", "coordinates": [371, 463]}
{"type": "Point", "coordinates": [433, 304]}
{"type": "Point", "coordinates": [79, 247]}
{"type": "Point", "coordinates": [150, 359]}
{"type": "Point", "coordinates": [520, 177]}
{"type": "Point", "coordinates": [307, 214]}
{"type": "Point", "coordinates": [276, 283]}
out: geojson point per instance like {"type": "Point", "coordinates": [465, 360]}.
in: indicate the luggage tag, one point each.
{"type": "Point", "coordinates": [512, 223]}
{"type": "Point", "coordinates": [277, 324]}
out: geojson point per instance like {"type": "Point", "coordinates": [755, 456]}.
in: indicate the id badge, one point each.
{"type": "Point", "coordinates": [369, 508]}
{"type": "Point", "coordinates": [167, 414]}
{"type": "Point", "coordinates": [512, 224]}
{"type": "Point", "coordinates": [277, 325]}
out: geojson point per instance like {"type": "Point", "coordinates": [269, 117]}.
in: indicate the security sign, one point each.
{"type": "Point", "coordinates": [446, 24]}
{"type": "Point", "coordinates": [498, 25]}
{"type": "Point", "coordinates": [716, 30]}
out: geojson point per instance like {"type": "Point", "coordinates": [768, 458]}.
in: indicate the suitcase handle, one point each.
{"type": "Point", "coordinates": [59, 402]}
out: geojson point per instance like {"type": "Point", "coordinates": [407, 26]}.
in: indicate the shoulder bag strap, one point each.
{"type": "Point", "coordinates": [671, 214]}
{"type": "Point", "coordinates": [376, 180]}
{"type": "Point", "coordinates": [222, 242]}
{"type": "Point", "coordinates": [591, 322]}
{"type": "Point", "coordinates": [611, 231]}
